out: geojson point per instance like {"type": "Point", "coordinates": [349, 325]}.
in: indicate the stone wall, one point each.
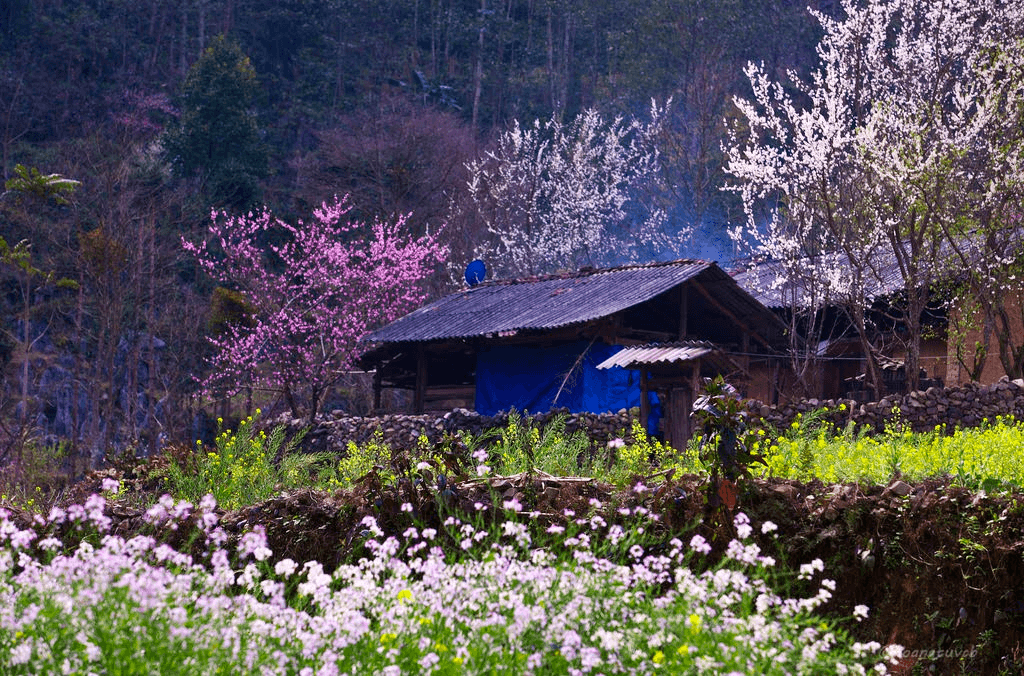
{"type": "Point", "coordinates": [335, 430]}
{"type": "Point", "coordinates": [965, 406]}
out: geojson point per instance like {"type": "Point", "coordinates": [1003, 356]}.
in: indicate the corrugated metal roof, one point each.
{"type": "Point", "coordinates": [498, 307]}
{"type": "Point", "coordinates": [655, 353]}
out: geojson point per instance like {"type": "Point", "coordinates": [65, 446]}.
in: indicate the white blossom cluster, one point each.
{"type": "Point", "coordinates": [560, 196]}
{"type": "Point", "coordinates": [899, 158]}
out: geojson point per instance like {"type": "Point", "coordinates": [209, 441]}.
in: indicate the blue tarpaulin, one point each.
{"type": "Point", "coordinates": [528, 378]}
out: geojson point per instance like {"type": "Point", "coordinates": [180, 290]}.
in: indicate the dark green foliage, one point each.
{"type": "Point", "coordinates": [228, 308]}
{"type": "Point", "coordinates": [217, 137]}
{"type": "Point", "coordinates": [727, 441]}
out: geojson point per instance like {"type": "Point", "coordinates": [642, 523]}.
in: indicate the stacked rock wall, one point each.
{"type": "Point", "coordinates": [965, 406]}
{"type": "Point", "coordinates": [336, 430]}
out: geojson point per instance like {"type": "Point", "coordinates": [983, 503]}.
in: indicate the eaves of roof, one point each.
{"type": "Point", "coordinates": [767, 283]}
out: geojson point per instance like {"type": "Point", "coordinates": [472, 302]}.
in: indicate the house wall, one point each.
{"type": "Point", "coordinates": [537, 379]}
{"type": "Point", "coordinates": [844, 362]}
{"type": "Point", "coordinates": [934, 359]}
{"type": "Point", "coordinates": [993, 370]}
{"type": "Point", "coordinates": [770, 380]}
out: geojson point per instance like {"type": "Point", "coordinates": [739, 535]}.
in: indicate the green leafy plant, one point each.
{"type": "Point", "coordinates": [523, 447]}
{"type": "Point", "coordinates": [360, 459]}
{"type": "Point", "coordinates": [726, 439]}
{"type": "Point", "coordinates": [989, 457]}
{"type": "Point", "coordinates": [241, 471]}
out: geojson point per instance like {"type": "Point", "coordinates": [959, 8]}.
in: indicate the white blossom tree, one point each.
{"type": "Point", "coordinates": [985, 230]}
{"type": "Point", "coordinates": [560, 196]}
{"type": "Point", "coordinates": [867, 160]}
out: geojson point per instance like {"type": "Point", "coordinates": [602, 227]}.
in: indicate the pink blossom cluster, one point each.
{"type": "Point", "coordinates": [315, 288]}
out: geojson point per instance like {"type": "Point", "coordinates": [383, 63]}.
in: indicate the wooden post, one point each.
{"type": "Point", "coordinates": [378, 385]}
{"type": "Point", "coordinates": [695, 387]}
{"type": "Point", "coordinates": [745, 361]}
{"type": "Point", "coordinates": [683, 312]}
{"type": "Point", "coordinates": [421, 380]}
{"type": "Point", "coordinates": [668, 420]}
{"type": "Point", "coordinates": [680, 402]}
{"type": "Point", "coordinates": [776, 385]}
{"type": "Point", "coordinates": [695, 380]}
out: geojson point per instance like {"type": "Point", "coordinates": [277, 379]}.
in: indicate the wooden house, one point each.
{"type": "Point", "coordinates": [546, 342]}
{"type": "Point", "coordinates": [840, 366]}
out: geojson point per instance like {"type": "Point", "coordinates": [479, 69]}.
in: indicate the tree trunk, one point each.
{"type": "Point", "coordinates": [563, 80]}
{"type": "Point", "coordinates": [26, 334]}
{"type": "Point", "coordinates": [290, 400]}
{"type": "Point", "coordinates": [183, 47]}
{"type": "Point", "coordinates": [1012, 359]}
{"type": "Point", "coordinates": [201, 26]}
{"type": "Point", "coordinates": [873, 378]}
{"type": "Point", "coordinates": [552, 90]}
{"type": "Point", "coordinates": [478, 69]}
{"type": "Point", "coordinates": [314, 405]}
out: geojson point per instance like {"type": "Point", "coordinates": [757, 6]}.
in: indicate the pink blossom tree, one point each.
{"type": "Point", "coordinates": [311, 293]}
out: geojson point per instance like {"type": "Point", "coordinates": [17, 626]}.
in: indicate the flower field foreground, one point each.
{"type": "Point", "coordinates": [120, 606]}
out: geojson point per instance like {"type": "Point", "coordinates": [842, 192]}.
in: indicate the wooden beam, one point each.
{"type": "Point", "coordinates": [449, 391]}
{"type": "Point", "coordinates": [646, 336]}
{"type": "Point", "coordinates": [721, 308]}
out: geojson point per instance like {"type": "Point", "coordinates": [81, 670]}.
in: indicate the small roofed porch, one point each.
{"type": "Point", "coordinates": [675, 372]}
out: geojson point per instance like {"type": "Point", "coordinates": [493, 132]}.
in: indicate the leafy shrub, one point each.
{"type": "Point", "coordinates": [242, 471]}
{"type": "Point", "coordinates": [522, 446]}
{"type": "Point", "coordinates": [360, 459]}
